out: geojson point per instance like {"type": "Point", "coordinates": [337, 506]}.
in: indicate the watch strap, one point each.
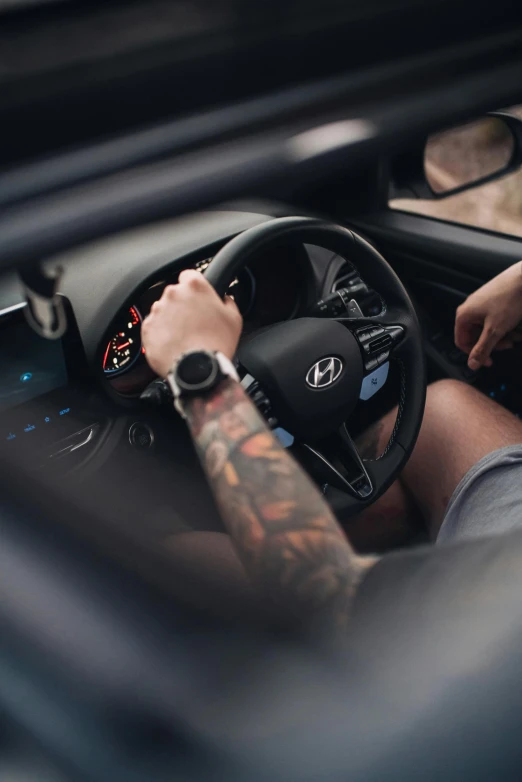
{"type": "Point", "coordinates": [226, 366]}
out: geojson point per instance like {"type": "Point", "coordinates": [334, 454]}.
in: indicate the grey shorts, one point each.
{"type": "Point", "coordinates": [488, 500]}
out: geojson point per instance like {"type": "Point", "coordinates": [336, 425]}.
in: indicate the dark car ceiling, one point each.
{"type": "Point", "coordinates": [249, 149]}
{"type": "Point", "coordinates": [83, 71]}
{"type": "Point", "coordinates": [120, 99]}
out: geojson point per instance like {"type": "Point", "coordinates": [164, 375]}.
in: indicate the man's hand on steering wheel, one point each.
{"type": "Point", "coordinates": [189, 316]}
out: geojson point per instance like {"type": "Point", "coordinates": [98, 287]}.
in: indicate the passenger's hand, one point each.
{"type": "Point", "coordinates": [189, 316]}
{"type": "Point", "coordinates": [488, 318]}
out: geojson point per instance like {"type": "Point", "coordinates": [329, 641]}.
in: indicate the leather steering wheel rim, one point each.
{"type": "Point", "coordinates": [379, 276]}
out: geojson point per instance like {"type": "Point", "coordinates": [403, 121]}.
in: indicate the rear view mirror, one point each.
{"type": "Point", "coordinates": [460, 158]}
{"type": "Point", "coordinates": [465, 156]}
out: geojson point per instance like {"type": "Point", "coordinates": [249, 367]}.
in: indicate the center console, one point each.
{"type": "Point", "coordinates": [501, 382]}
{"type": "Point", "coordinates": [44, 408]}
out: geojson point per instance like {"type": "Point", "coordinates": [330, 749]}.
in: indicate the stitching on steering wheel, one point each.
{"type": "Point", "coordinates": [402, 403]}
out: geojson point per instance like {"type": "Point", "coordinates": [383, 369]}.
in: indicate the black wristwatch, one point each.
{"type": "Point", "coordinates": [198, 372]}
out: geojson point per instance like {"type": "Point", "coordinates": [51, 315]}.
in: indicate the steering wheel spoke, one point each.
{"type": "Point", "coordinates": [335, 461]}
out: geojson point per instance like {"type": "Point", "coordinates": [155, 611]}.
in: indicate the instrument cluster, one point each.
{"type": "Point", "coordinates": [269, 291]}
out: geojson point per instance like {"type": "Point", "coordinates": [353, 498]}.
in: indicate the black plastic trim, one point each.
{"type": "Point", "coordinates": [473, 251]}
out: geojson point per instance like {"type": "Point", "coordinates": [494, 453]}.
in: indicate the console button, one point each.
{"type": "Point", "coordinates": [141, 436]}
{"type": "Point", "coordinates": [456, 356]}
{"type": "Point", "coordinates": [469, 374]}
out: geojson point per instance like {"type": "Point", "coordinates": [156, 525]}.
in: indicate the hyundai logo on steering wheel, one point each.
{"type": "Point", "coordinates": [324, 372]}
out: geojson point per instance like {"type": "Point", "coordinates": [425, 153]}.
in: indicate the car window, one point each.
{"type": "Point", "coordinates": [495, 206]}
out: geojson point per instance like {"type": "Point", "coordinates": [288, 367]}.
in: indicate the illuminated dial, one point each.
{"type": "Point", "coordinates": [125, 346]}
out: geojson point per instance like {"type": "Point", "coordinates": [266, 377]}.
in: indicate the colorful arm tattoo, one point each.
{"type": "Point", "coordinates": [283, 530]}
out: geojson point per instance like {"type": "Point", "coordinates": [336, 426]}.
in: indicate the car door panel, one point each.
{"type": "Point", "coordinates": [441, 264]}
{"type": "Point", "coordinates": [461, 249]}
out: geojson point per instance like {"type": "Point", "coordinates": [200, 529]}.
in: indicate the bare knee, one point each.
{"type": "Point", "coordinates": [441, 396]}
{"type": "Point", "coordinates": [449, 391]}
{"type": "Point", "coordinates": [448, 385]}
{"type": "Point", "coordinates": [461, 426]}
{"type": "Point", "coordinates": [461, 412]}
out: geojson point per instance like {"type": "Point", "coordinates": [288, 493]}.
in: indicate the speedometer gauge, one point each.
{"type": "Point", "coordinates": [125, 346]}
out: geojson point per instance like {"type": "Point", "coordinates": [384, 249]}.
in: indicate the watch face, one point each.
{"type": "Point", "coordinates": [196, 369]}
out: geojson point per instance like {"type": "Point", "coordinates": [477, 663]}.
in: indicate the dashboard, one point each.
{"type": "Point", "coordinates": [73, 401]}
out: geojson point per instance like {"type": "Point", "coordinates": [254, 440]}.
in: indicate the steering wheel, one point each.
{"type": "Point", "coordinates": [308, 371]}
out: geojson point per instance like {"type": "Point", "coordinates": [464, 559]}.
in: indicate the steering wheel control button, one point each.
{"type": "Point", "coordinates": [362, 487]}
{"type": "Point", "coordinates": [396, 333]}
{"type": "Point", "coordinates": [353, 310]}
{"type": "Point", "coordinates": [351, 307]}
{"type": "Point", "coordinates": [376, 343]}
{"type": "Point", "coordinates": [333, 306]}
{"type": "Point", "coordinates": [341, 303]}
{"type": "Point", "coordinates": [368, 334]}
{"type": "Point", "coordinates": [364, 335]}
{"type": "Point", "coordinates": [141, 436]}
{"type": "Point", "coordinates": [374, 381]}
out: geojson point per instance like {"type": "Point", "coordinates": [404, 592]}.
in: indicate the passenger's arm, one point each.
{"type": "Point", "coordinates": [488, 318]}
{"type": "Point", "coordinates": [283, 530]}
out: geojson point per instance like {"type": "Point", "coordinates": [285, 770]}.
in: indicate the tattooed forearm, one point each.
{"type": "Point", "coordinates": [283, 530]}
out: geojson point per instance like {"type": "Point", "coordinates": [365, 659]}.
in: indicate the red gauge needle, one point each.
{"type": "Point", "coordinates": [106, 354]}
{"type": "Point", "coordinates": [125, 345]}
